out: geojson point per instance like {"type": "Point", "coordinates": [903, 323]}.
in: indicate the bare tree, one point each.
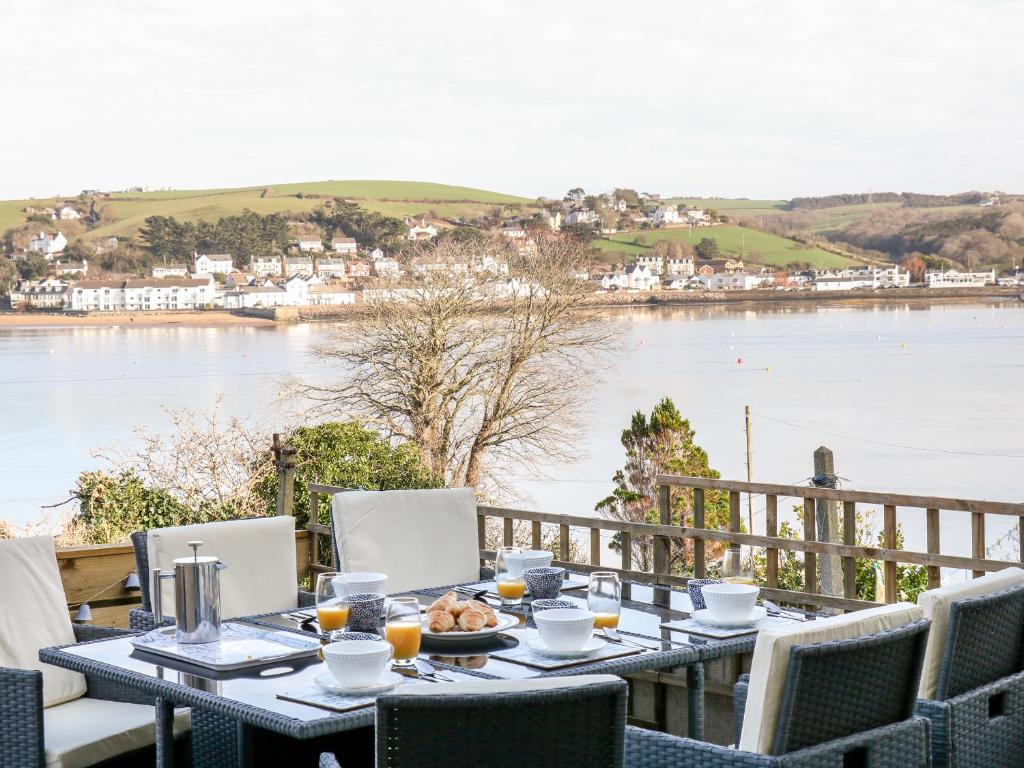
{"type": "Point", "coordinates": [479, 367]}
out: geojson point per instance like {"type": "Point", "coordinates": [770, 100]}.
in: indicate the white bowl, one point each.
{"type": "Point", "coordinates": [357, 663]}
{"type": "Point", "coordinates": [363, 581]}
{"type": "Point", "coordinates": [730, 602]}
{"type": "Point", "coordinates": [537, 558]}
{"type": "Point", "coordinates": [565, 629]}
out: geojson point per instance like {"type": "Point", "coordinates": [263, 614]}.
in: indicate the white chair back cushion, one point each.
{"type": "Point", "coordinates": [88, 731]}
{"type": "Point", "coordinates": [420, 538]}
{"type": "Point", "coordinates": [261, 573]}
{"type": "Point", "coordinates": [936, 604]}
{"type": "Point", "coordinates": [770, 663]}
{"type": "Point", "coordinates": [34, 614]}
{"type": "Point", "coordinates": [495, 687]}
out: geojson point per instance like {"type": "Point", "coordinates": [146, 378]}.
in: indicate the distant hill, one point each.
{"type": "Point", "coordinates": [125, 212]}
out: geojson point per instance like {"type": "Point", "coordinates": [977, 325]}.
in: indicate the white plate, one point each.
{"type": "Point", "coordinates": [705, 617]}
{"type": "Point", "coordinates": [505, 621]}
{"type": "Point", "coordinates": [385, 682]}
{"type": "Point", "coordinates": [594, 644]}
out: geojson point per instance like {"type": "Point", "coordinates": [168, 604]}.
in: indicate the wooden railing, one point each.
{"type": "Point", "coordinates": [666, 536]}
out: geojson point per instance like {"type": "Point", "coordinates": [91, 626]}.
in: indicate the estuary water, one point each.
{"type": "Point", "coordinates": [912, 397]}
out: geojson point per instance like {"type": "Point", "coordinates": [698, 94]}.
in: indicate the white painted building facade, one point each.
{"type": "Point", "coordinates": [953, 278]}
{"type": "Point", "coordinates": [213, 263]}
{"type": "Point", "coordinates": [48, 243]}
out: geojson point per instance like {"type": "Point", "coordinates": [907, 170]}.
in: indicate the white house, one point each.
{"type": "Point", "coordinates": [344, 245]}
{"type": "Point", "coordinates": [680, 265]}
{"type": "Point", "coordinates": [42, 294]}
{"type": "Point", "coordinates": [553, 220]}
{"type": "Point", "coordinates": [619, 205]}
{"type": "Point", "coordinates": [420, 229]}
{"type": "Point", "coordinates": [376, 254]}
{"type": "Point", "coordinates": [328, 267]}
{"type": "Point", "coordinates": [253, 296]}
{"type": "Point", "coordinates": [330, 294]}
{"type": "Point", "coordinates": [1014, 278]}
{"type": "Point", "coordinates": [213, 263]}
{"type": "Point", "coordinates": [952, 278]}
{"type": "Point", "coordinates": [698, 217]}
{"type": "Point", "coordinates": [384, 267]}
{"type": "Point", "coordinates": [143, 294]}
{"type": "Point", "coordinates": [735, 281]}
{"type": "Point", "coordinates": [67, 213]}
{"type": "Point", "coordinates": [309, 243]}
{"type": "Point", "coordinates": [72, 268]}
{"type": "Point", "coordinates": [586, 216]}
{"type": "Point", "coordinates": [265, 266]}
{"type": "Point", "coordinates": [170, 270]}
{"type": "Point", "coordinates": [861, 278]}
{"type": "Point", "coordinates": [677, 282]}
{"type": "Point", "coordinates": [357, 268]}
{"type": "Point", "coordinates": [639, 277]}
{"type": "Point", "coordinates": [654, 263]}
{"type": "Point", "coordinates": [615, 281]}
{"type": "Point", "coordinates": [298, 265]}
{"type": "Point", "coordinates": [48, 243]}
{"type": "Point", "coordinates": [664, 214]}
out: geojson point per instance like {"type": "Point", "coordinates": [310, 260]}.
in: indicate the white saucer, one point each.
{"type": "Point", "coordinates": [705, 617]}
{"type": "Point", "coordinates": [592, 645]}
{"type": "Point", "coordinates": [385, 682]}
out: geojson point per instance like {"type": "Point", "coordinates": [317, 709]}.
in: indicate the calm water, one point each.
{"type": "Point", "coordinates": [912, 398]}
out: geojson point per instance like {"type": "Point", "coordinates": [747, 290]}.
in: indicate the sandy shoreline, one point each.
{"type": "Point", "coordinates": [134, 319]}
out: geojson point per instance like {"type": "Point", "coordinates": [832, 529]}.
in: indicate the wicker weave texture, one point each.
{"type": "Point", "coordinates": [566, 727]}
{"type": "Point", "coordinates": [902, 745]}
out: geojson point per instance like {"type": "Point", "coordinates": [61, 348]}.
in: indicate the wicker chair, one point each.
{"type": "Point", "coordinates": [554, 722]}
{"type": "Point", "coordinates": [439, 545]}
{"type": "Point", "coordinates": [845, 703]}
{"type": "Point", "coordinates": [143, 618]}
{"type": "Point", "coordinates": [977, 716]}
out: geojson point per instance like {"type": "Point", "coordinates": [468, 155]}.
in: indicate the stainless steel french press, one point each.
{"type": "Point", "coordinates": [196, 596]}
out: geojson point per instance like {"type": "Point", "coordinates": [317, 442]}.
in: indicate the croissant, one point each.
{"type": "Point", "coordinates": [470, 620]}
{"type": "Point", "coordinates": [441, 604]}
{"type": "Point", "coordinates": [440, 621]}
{"type": "Point", "coordinates": [486, 610]}
{"type": "Point", "coordinates": [456, 608]}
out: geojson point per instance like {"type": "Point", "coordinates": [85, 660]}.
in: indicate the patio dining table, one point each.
{"type": "Point", "coordinates": [229, 707]}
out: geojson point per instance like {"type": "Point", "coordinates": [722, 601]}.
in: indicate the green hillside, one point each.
{"type": "Point", "coordinates": [128, 210]}
{"type": "Point", "coordinates": [750, 244]}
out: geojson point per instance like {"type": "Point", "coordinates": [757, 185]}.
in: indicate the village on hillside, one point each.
{"type": "Point", "coordinates": [320, 267]}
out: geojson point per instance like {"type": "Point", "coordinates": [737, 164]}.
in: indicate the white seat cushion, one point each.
{"type": "Point", "coordinates": [493, 687]}
{"type": "Point", "coordinates": [34, 614]}
{"type": "Point", "coordinates": [261, 574]}
{"type": "Point", "coordinates": [935, 603]}
{"type": "Point", "coordinates": [421, 538]}
{"type": "Point", "coordinates": [87, 731]}
{"type": "Point", "coordinates": [770, 663]}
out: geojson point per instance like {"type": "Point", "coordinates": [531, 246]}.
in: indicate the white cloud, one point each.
{"type": "Point", "coordinates": [727, 98]}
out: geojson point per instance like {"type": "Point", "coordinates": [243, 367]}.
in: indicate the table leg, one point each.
{"type": "Point", "coordinates": [164, 733]}
{"type": "Point", "coordinates": [244, 741]}
{"type": "Point", "coordinates": [695, 701]}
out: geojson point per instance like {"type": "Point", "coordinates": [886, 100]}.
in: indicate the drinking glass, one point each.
{"type": "Point", "coordinates": [738, 565]}
{"type": "Point", "coordinates": [604, 598]}
{"type": "Point", "coordinates": [508, 575]}
{"type": "Point", "coordinates": [331, 602]}
{"type": "Point", "coordinates": [402, 629]}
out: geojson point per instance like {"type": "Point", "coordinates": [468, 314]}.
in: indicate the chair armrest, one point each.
{"type": "Point", "coordinates": [145, 621]}
{"type": "Point", "coordinates": [328, 760]}
{"type": "Point", "coordinates": [306, 599]}
{"type": "Point", "coordinates": [21, 716]}
{"type": "Point", "coordinates": [86, 632]}
{"type": "Point", "coordinates": [739, 704]}
{"type": "Point", "coordinates": [653, 749]}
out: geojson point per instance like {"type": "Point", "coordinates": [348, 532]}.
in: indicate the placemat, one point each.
{"type": "Point", "coordinates": [523, 654]}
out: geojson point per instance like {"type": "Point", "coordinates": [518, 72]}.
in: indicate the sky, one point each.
{"type": "Point", "coordinates": [759, 99]}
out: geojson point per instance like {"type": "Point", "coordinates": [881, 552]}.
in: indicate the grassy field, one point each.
{"type": "Point", "coordinates": [750, 244]}
{"type": "Point", "coordinates": [393, 198]}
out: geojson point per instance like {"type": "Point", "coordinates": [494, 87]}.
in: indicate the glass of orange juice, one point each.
{"type": "Point", "coordinates": [331, 602]}
{"type": "Point", "coordinates": [738, 564]}
{"type": "Point", "coordinates": [604, 598]}
{"type": "Point", "coordinates": [508, 575]}
{"type": "Point", "coordinates": [402, 628]}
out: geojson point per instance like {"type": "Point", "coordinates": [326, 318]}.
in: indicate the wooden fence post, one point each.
{"type": "Point", "coordinates": [284, 463]}
{"type": "Point", "coordinates": [826, 518]}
